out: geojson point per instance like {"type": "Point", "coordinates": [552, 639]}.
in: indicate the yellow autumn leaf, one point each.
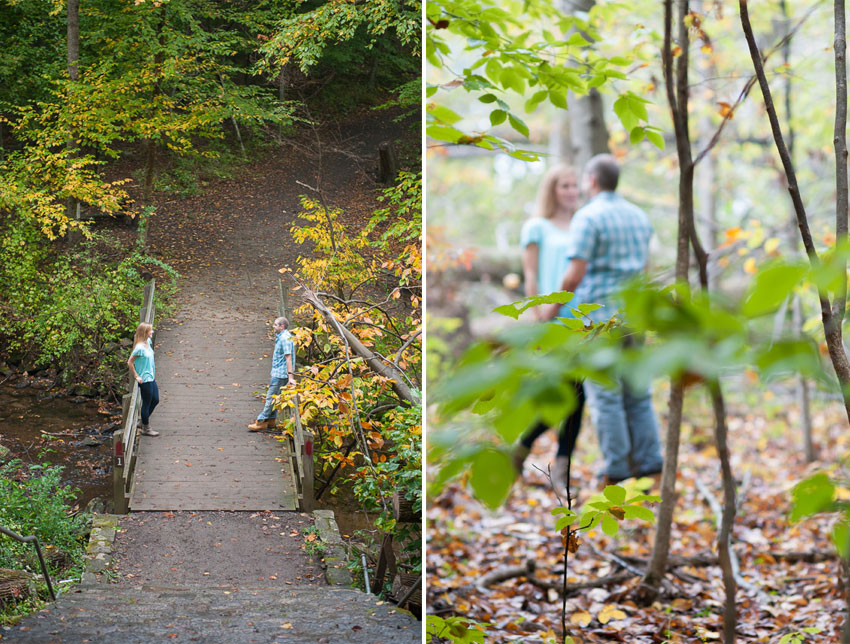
{"type": "Point", "coordinates": [581, 618]}
{"type": "Point", "coordinates": [733, 234]}
{"type": "Point", "coordinates": [609, 612]}
{"type": "Point", "coordinates": [771, 245]}
{"type": "Point", "coordinates": [750, 266]}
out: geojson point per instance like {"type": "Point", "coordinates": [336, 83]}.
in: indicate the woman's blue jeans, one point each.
{"type": "Point", "coordinates": [150, 399]}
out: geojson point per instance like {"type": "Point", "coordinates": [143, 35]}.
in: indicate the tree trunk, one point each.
{"type": "Point", "coordinates": [282, 83]}
{"type": "Point", "coordinates": [829, 312]}
{"type": "Point", "coordinates": [580, 132]}
{"type": "Point", "coordinates": [73, 7]}
{"type": "Point", "coordinates": [721, 433]}
{"type": "Point", "coordinates": [802, 385]}
{"type": "Point", "coordinates": [656, 568]}
{"type": "Point", "coordinates": [832, 327]}
{"type": "Point", "coordinates": [159, 57]}
{"type": "Point", "coordinates": [587, 128]}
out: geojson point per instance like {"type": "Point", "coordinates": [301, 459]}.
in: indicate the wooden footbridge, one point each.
{"type": "Point", "coordinates": [212, 372]}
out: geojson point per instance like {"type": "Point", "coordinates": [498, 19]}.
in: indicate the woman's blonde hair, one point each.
{"type": "Point", "coordinates": [546, 192]}
{"type": "Point", "coordinates": [141, 333]}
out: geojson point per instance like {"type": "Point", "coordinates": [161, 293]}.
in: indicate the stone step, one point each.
{"type": "Point", "coordinates": [108, 614]}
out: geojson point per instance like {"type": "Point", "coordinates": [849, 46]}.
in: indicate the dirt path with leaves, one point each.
{"type": "Point", "coordinates": [228, 246]}
{"type": "Point", "coordinates": [790, 568]}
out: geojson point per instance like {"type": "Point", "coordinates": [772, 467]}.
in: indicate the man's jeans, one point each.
{"type": "Point", "coordinates": [275, 385]}
{"type": "Point", "coordinates": [627, 429]}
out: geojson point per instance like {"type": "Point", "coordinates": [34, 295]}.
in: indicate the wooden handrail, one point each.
{"type": "Point", "coordinates": [124, 442]}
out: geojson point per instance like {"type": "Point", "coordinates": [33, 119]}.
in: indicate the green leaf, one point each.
{"type": "Point", "coordinates": [770, 287]}
{"type": "Point", "coordinates": [515, 309]}
{"type": "Point", "coordinates": [518, 125]}
{"type": "Point", "coordinates": [637, 135]}
{"type": "Point", "coordinates": [610, 525]}
{"type": "Point", "coordinates": [647, 498]}
{"type": "Point", "coordinates": [497, 117]}
{"type": "Point", "coordinates": [492, 476]}
{"type": "Point", "coordinates": [638, 106]}
{"type": "Point", "coordinates": [488, 98]}
{"type": "Point", "coordinates": [589, 520]}
{"type": "Point", "coordinates": [639, 512]}
{"type": "Point", "coordinates": [812, 496]}
{"type": "Point", "coordinates": [431, 90]}
{"type": "Point", "coordinates": [444, 133]}
{"type": "Point", "coordinates": [623, 110]}
{"type": "Point", "coordinates": [558, 99]}
{"type": "Point", "coordinates": [511, 79]}
{"type": "Point", "coordinates": [577, 40]}
{"type": "Point", "coordinates": [615, 493]}
{"type": "Point", "coordinates": [563, 522]}
{"type": "Point", "coordinates": [655, 137]}
{"type": "Point", "coordinates": [443, 114]}
{"type": "Point", "coordinates": [535, 100]}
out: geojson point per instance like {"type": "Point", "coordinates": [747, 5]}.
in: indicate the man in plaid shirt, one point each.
{"type": "Point", "coordinates": [283, 373]}
{"type": "Point", "coordinates": [609, 245]}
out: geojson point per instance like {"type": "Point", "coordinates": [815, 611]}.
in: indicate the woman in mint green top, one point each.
{"type": "Point", "coordinates": [143, 370]}
{"type": "Point", "coordinates": [544, 240]}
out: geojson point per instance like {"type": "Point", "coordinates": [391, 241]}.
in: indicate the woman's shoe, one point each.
{"type": "Point", "coordinates": [147, 431]}
{"type": "Point", "coordinates": [518, 456]}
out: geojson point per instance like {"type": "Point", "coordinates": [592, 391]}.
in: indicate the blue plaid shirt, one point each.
{"type": "Point", "coordinates": [612, 235]}
{"type": "Point", "coordinates": [283, 346]}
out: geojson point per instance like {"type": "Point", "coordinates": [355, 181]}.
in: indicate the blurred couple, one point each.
{"type": "Point", "coordinates": [592, 251]}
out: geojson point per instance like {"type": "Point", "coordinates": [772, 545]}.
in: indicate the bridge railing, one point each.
{"type": "Point", "coordinates": [124, 443]}
{"type": "Point", "coordinates": [301, 441]}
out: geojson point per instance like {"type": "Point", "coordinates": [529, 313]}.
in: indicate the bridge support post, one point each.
{"type": "Point", "coordinates": [119, 498]}
{"type": "Point", "coordinates": [307, 484]}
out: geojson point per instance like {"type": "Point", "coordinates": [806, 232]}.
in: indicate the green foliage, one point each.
{"type": "Point", "coordinates": [798, 637]}
{"type": "Point", "coordinates": [396, 467]}
{"type": "Point", "coordinates": [64, 310]}
{"type": "Point", "coordinates": [522, 376]}
{"type": "Point", "coordinates": [608, 511]}
{"type": "Point", "coordinates": [34, 502]}
{"type": "Point", "coordinates": [361, 428]}
{"type": "Point", "coordinates": [313, 545]}
{"type": "Point", "coordinates": [159, 72]}
{"type": "Point", "coordinates": [818, 494]}
{"type": "Point", "coordinates": [457, 629]}
{"type": "Point", "coordinates": [304, 37]}
{"type": "Point", "coordinates": [531, 49]}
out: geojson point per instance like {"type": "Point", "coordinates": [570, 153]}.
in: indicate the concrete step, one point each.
{"type": "Point", "coordinates": [108, 614]}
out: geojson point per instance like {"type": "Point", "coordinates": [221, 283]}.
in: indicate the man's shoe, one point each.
{"type": "Point", "coordinates": [656, 481]}
{"type": "Point", "coordinates": [147, 431]}
{"type": "Point", "coordinates": [260, 425]}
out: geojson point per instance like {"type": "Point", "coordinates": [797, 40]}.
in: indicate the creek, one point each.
{"type": "Point", "coordinates": [39, 425]}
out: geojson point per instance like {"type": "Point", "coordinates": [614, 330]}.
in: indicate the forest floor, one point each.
{"type": "Point", "coordinates": [794, 575]}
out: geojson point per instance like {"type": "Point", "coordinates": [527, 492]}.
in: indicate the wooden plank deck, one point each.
{"type": "Point", "coordinates": [210, 364]}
